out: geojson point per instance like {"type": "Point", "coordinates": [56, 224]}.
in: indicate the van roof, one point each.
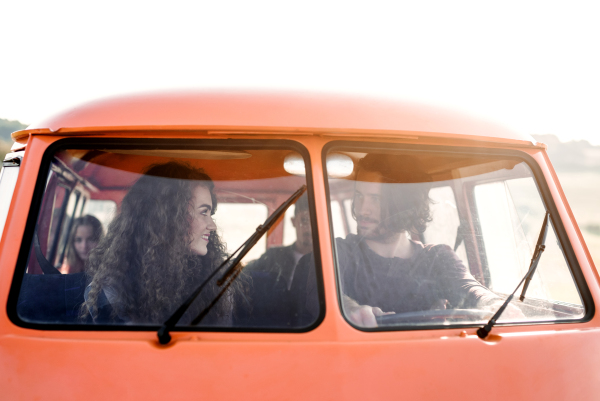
{"type": "Point", "coordinates": [264, 112]}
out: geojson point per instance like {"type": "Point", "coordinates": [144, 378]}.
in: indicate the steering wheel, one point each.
{"type": "Point", "coordinates": [435, 316]}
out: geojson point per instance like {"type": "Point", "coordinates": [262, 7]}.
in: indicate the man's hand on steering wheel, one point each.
{"type": "Point", "coordinates": [362, 315]}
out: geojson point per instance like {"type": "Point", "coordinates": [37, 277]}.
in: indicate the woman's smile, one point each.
{"type": "Point", "coordinates": [202, 223]}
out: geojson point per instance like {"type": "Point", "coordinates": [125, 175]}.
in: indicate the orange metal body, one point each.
{"type": "Point", "coordinates": [333, 361]}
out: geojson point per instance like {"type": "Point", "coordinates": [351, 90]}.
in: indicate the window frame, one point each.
{"type": "Point", "coordinates": [545, 195]}
{"type": "Point", "coordinates": [155, 143]}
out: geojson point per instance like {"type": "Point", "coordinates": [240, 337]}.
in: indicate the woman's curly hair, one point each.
{"type": "Point", "coordinates": [403, 207]}
{"type": "Point", "coordinates": [145, 262]}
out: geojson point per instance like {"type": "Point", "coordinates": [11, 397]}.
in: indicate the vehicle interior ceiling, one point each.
{"type": "Point", "coordinates": [233, 170]}
{"type": "Point", "coordinates": [443, 167]}
{"type": "Point", "coordinates": [246, 176]}
{"type": "Point", "coordinates": [440, 167]}
{"type": "Point", "coordinates": [238, 171]}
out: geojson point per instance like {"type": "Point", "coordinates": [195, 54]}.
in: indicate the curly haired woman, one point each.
{"type": "Point", "coordinates": [158, 249]}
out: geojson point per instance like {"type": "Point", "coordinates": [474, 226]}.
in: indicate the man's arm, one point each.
{"type": "Point", "coordinates": [464, 289]}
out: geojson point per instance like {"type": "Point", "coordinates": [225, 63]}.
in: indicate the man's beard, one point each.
{"type": "Point", "coordinates": [305, 241]}
{"type": "Point", "coordinates": [379, 233]}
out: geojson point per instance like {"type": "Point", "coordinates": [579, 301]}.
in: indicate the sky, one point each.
{"type": "Point", "coordinates": [532, 66]}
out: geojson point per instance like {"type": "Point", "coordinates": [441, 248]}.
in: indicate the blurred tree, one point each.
{"type": "Point", "coordinates": [7, 127]}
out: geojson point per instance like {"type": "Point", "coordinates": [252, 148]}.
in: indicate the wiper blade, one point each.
{"type": "Point", "coordinates": [484, 331]}
{"type": "Point", "coordinates": [260, 231]}
{"type": "Point", "coordinates": [230, 274]}
{"type": "Point", "coordinates": [537, 254]}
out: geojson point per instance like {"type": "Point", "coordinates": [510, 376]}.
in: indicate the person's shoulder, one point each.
{"type": "Point", "coordinates": [437, 248]}
{"type": "Point", "coordinates": [274, 253]}
{"type": "Point", "coordinates": [349, 248]}
{"type": "Point", "coordinates": [278, 252]}
{"type": "Point", "coordinates": [443, 251]}
{"type": "Point", "coordinates": [289, 249]}
{"type": "Point", "coordinates": [351, 241]}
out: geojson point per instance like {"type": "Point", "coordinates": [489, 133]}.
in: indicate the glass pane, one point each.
{"type": "Point", "coordinates": [138, 230]}
{"type": "Point", "coordinates": [445, 222]}
{"type": "Point", "coordinates": [337, 218]}
{"type": "Point", "coordinates": [103, 210]}
{"type": "Point", "coordinates": [67, 220]}
{"type": "Point", "coordinates": [59, 214]}
{"type": "Point", "coordinates": [289, 231]}
{"type": "Point", "coordinates": [236, 220]}
{"type": "Point", "coordinates": [511, 214]}
{"type": "Point", "coordinates": [442, 239]}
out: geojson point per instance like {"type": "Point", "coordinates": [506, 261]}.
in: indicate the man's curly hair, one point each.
{"type": "Point", "coordinates": [403, 207]}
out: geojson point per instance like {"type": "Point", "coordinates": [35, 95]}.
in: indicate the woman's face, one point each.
{"type": "Point", "coordinates": [84, 241]}
{"type": "Point", "coordinates": [202, 224]}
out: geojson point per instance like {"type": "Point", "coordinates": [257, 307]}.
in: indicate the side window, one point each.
{"type": "Point", "coordinates": [339, 219]}
{"type": "Point", "coordinates": [445, 223]}
{"type": "Point", "coordinates": [60, 215]}
{"type": "Point", "coordinates": [236, 220]}
{"type": "Point", "coordinates": [341, 207]}
{"type": "Point", "coordinates": [289, 231]}
{"type": "Point", "coordinates": [511, 215]}
{"type": "Point", "coordinates": [103, 210]}
{"type": "Point", "coordinates": [62, 203]}
{"type": "Point", "coordinates": [124, 236]}
{"type": "Point", "coordinates": [74, 202]}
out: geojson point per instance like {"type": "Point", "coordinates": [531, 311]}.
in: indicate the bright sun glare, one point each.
{"type": "Point", "coordinates": [531, 65]}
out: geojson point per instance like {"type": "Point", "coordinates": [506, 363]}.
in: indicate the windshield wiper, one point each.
{"type": "Point", "coordinates": [484, 331]}
{"type": "Point", "coordinates": [230, 274]}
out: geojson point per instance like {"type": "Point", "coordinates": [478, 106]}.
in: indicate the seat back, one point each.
{"type": "Point", "coordinates": [51, 298]}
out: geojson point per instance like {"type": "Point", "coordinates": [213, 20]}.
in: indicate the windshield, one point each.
{"type": "Point", "coordinates": [436, 239]}
{"type": "Point", "coordinates": [125, 235]}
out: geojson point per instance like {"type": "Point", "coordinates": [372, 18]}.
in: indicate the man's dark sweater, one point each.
{"type": "Point", "coordinates": [273, 305]}
{"type": "Point", "coordinates": [432, 276]}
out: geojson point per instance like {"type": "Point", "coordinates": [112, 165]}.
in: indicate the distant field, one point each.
{"type": "Point", "coordinates": [583, 194]}
{"type": "Point", "coordinates": [4, 148]}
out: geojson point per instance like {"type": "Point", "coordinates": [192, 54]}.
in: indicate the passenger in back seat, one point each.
{"type": "Point", "coordinates": [281, 261]}
{"type": "Point", "coordinates": [158, 249]}
{"type": "Point", "coordinates": [85, 235]}
{"type": "Point", "coordinates": [272, 275]}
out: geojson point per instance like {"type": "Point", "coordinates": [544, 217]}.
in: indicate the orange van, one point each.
{"type": "Point", "coordinates": [196, 245]}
